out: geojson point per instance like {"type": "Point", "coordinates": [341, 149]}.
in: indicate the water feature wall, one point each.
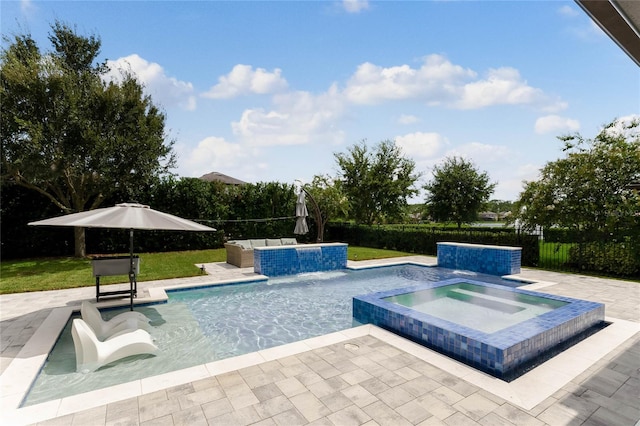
{"type": "Point", "coordinates": [493, 260]}
{"type": "Point", "coordinates": [290, 260]}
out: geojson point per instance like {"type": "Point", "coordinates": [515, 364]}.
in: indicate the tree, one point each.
{"type": "Point", "coordinates": [376, 184]}
{"type": "Point", "coordinates": [331, 203]}
{"type": "Point", "coordinates": [457, 191]}
{"type": "Point", "coordinates": [70, 134]}
{"type": "Point", "coordinates": [499, 206]}
{"type": "Point", "coordinates": [589, 189]}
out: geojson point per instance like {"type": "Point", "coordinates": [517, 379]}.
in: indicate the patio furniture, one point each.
{"type": "Point", "coordinates": [92, 354]}
{"type": "Point", "coordinates": [130, 320]}
{"type": "Point", "coordinates": [115, 265]}
{"type": "Point", "coordinates": [240, 252]}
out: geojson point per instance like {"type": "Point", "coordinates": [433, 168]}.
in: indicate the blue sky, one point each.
{"type": "Point", "coordinates": [269, 91]}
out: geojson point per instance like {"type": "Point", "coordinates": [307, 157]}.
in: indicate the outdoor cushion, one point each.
{"type": "Point", "coordinates": [289, 241]}
{"type": "Point", "coordinates": [245, 244]}
{"type": "Point", "coordinates": [258, 243]}
{"type": "Point", "coordinates": [273, 242]}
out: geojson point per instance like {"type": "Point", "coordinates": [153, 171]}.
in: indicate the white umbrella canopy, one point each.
{"type": "Point", "coordinates": [125, 216]}
{"type": "Point", "coordinates": [301, 215]}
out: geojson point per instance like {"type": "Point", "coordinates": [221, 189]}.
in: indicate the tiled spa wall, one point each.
{"type": "Point", "coordinates": [291, 260]}
{"type": "Point", "coordinates": [493, 260]}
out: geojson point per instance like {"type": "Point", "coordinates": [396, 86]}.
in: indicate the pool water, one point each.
{"type": "Point", "coordinates": [202, 325]}
{"type": "Point", "coordinates": [482, 308]}
{"type": "Point", "coordinates": [249, 317]}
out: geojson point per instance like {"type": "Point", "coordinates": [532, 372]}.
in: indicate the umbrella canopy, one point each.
{"type": "Point", "coordinates": [301, 215]}
{"type": "Point", "coordinates": [125, 216]}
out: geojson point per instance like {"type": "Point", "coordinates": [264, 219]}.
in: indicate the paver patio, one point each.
{"type": "Point", "coordinates": [364, 376]}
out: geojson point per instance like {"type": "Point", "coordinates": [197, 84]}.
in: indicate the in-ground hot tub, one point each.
{"type": "Point", "coordinates": [499, 330]}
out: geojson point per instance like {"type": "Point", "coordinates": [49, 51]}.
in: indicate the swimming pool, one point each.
{"type": "Point", "coordinates": [200, 325]}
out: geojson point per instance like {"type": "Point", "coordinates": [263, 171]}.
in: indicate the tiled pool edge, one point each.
{"type": "Point", "coordinates": [502, 353]}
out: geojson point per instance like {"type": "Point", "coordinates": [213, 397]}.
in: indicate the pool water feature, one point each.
{"type": "Point", "coordinates": [274, 261]}
{"type": "Point", "coordinates": [202, 325]}
{"type": "Point", "coordinates": [308, 258]}
{"type": "Point", "coordinates": [501, 331]}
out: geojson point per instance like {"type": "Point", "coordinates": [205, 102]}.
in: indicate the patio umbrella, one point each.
{"type": "Point", "coordinates": [301, 215]}
{"type": "Point", "coordinates": [125, 216]}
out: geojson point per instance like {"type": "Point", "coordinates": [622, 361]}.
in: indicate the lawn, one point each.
{"type": "Point", "coordinates": [17, 276]}
{"type": "Point", "coordinates": [554, 255]}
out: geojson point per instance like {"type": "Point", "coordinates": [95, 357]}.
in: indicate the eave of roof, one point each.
{"type": "Point", "coordinates": [620, 19]}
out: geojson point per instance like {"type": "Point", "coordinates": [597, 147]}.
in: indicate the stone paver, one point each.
{"type": "Point", "coordinates": [363, 381]}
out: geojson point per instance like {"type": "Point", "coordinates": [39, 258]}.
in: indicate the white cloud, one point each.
{"type": "Point", "coordinates": [439, 82]}
{"type": "Point", "coordinates": [621, 127]}
{"type": "Point", "coordinates": [169, 91]}
{"type": "Point", "coordinates": [355, 6]}
{"type": "Point", "coordinates": [244, 80]}
{"type": "Point", "coordinates": [435, 81]}
{"type": "Point", "coordinates": [502, 86]}
{"type": "Point", "coordinates": [27, 7]}
{"type": "Point", "coordinates": [408, 119]}
{"type": "Point", "coordinates": [481, 153]}
{"type": "Point", "coordinates": [421, 145]}
{"type": "Point", "coordinates": [297, 118]}
{"type": "Point", "coordinates": [511, 180]}
{"type": "Point", "coordinates": [217, 154]}
{"type": "Point", "coordinates": [556, 124]}
{"type": "Point", "coordinates": [568, 11]}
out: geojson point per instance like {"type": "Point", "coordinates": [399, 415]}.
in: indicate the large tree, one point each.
{"type": "Point", "coordinates": [71, 134]}
{"type": "Point", "coordinates": [376, 183]}
{"type": "Point", "coordinates": [457, 192]}
{"type": "Point", "coordinates": [327, 200]}
{"type": "Point", "coordinates": [590, 188]}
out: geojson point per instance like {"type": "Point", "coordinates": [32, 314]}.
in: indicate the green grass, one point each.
{"type": "Point", "coordinates": [17, 276]}
{"type": "Point", "coordinates": [553, 255]}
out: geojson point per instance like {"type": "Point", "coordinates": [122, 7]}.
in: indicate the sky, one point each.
{"type": "Point", "coordinates": [268, 91]}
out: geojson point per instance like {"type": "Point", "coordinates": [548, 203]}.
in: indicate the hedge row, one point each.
{"type": "Point", "coordinates": [424, 240]}
{"type": "Point", "coordinates": [263, 210]}
{"type": "Point", "coordinates": [607, 258]}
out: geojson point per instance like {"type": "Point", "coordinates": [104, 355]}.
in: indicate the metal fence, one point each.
{"type": "Point", "coordinates": [606, 254]}
{"type": "Point", "coordinates": [600, 253]}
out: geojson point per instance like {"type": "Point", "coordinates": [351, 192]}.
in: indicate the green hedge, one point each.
{"type": "Point", "coordinates": [245, 211]}
{"type": "Point", "coordinates": [607, 258]}
{"type": "Point", "coordinates": [424, 240]}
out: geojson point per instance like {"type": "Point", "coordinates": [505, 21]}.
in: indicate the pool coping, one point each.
{"type": "Point", "coordinates": [547, 378]}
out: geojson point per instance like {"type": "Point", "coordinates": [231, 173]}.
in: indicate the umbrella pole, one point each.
{"type": "Point", "coordinates": [132, 273]}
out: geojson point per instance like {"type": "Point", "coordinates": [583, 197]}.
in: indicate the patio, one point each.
{"type": "Point", "coordinates": [360, 376]}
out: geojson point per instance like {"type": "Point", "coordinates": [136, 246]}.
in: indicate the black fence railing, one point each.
{"type": "Point", "coordinates": [615, 255]}
{"type": "Point", "coordinates": [602, 253]}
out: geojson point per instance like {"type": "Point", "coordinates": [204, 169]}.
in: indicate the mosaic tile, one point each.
{"type": "Point", "coordinates": [493, 260]}
{"type": "Point", "coordinates": [285, 260]}
{"type": "Point", "coordinates": [501, 353]}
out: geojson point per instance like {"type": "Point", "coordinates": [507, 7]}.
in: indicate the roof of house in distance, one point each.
{"type": "Point", "coordinates": [219, 177]}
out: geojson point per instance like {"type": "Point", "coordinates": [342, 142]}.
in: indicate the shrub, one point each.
{"type": "Point", "coordinates": [424, 240]}
{"type": "Point", "coordinates": [609, 258]}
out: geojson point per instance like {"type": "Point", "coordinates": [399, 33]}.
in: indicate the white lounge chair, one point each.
{"type": "Point", "coordinates": [130, 320]}
{"type": "Point", "coordinates": [92, 354]}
